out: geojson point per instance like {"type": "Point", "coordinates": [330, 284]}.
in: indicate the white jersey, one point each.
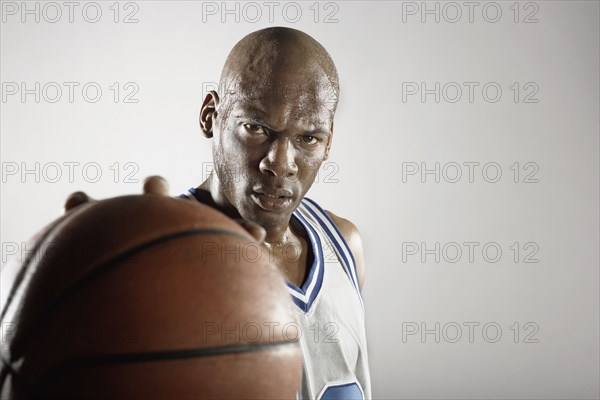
{"type": "Point", "coordinates": [330, 313]}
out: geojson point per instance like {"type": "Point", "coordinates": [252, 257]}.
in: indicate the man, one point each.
{"type": "Point", "coordinates": [271, 127]}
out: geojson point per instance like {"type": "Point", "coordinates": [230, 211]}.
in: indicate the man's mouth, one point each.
{"type": "Point", "coordinates": [271, 196]}
{"type": "Point", "coordinates": [272, 199]}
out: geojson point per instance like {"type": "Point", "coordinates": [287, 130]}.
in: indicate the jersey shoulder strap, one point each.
{"type": "Point", "coordinates": [340, 246]}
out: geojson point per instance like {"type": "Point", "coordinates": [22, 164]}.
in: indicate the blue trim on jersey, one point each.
{"type": "Point", "coordinates": [324, 213]}
{"type": "Point", "coordinates": [194, 193]}
{"type": "Point", "coordinates": [312, 285]}
{"type": "Point", "coordinates": [303, 296]}
{"type": "Point", "coordinates": [348, 391]}
{"type": "Point", "coordinates": [349, 267]}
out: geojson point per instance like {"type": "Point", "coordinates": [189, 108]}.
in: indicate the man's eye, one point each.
{"type": "Point", "coordinates": [310, 139]}
{"type": "Point", "coordinates": [255, 129]}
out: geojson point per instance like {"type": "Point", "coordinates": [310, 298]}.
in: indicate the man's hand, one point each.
{"type": "Point", "coordinates": [157, 185]}
{"type": "Point", "coordinates": [152, 185]}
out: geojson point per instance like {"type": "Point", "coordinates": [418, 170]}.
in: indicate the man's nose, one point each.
{"type": "Point", "coordinates": [280, 160]}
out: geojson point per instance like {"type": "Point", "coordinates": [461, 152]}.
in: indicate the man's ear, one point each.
{"type": "Point", "coordinates": [329, 138]}
{"type": "Point", "coordinates": [208, 113]}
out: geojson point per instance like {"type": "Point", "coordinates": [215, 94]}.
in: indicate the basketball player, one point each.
{"type": "Point", "coordinates": [271, 125]}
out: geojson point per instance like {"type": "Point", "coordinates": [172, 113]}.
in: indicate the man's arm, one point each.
{"type": "Point", "coordinates": [159, 186]}
{"type": "Point", "coordinates": [352, 237]}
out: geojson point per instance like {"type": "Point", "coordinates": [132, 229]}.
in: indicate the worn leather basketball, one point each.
{"type": "Point", "coordinates": [147, 297]}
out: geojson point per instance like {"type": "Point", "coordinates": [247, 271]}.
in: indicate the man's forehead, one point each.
{"type": "Point", "coordinates": [316, 89]}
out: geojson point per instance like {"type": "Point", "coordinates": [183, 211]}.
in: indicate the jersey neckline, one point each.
{"type": "Point", "coordinates": [305, 295]}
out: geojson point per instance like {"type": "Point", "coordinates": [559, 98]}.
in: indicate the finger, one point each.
{"type": "Point", "coordinates": [156, 185]}
{"type": "Point", "coordinates": [258, 232]}
{"type": "Point", "coordinates": [76, 199]}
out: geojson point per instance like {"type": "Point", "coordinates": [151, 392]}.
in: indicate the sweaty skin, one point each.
{"type": "Point", "coordinates": [271, 127]}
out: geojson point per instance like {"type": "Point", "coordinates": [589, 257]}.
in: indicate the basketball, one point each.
{"type": "Point", "coordinates": [147, 297]}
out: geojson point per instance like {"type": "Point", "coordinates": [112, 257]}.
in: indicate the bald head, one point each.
{"type": "Point", "coordinates": [280, 63]}
{"type": "Point", "coordinates": [272, 122]}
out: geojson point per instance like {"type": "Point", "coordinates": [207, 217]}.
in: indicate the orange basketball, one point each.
{"type": "Point", "coordinates": [148, 297]}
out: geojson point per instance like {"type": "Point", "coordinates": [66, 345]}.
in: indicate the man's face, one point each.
{"type": "Point", "coordinates": [268, 148]}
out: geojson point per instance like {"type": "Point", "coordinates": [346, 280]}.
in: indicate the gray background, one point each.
{"type": "Point", "coordinates": [174, 51]}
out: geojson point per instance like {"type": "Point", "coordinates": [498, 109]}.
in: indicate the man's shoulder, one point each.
{"type": "Point", "coordinates": [346, 227]}
{"type": "Point", "coordinates": [351, 235]}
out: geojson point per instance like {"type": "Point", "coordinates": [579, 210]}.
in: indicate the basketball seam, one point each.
{"type": "Point", "coordinates": [103, 268]}
{"type": "Point", "coordinates": [25, 267]}
{"type": "Point", "coordinates": [125, 358]}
